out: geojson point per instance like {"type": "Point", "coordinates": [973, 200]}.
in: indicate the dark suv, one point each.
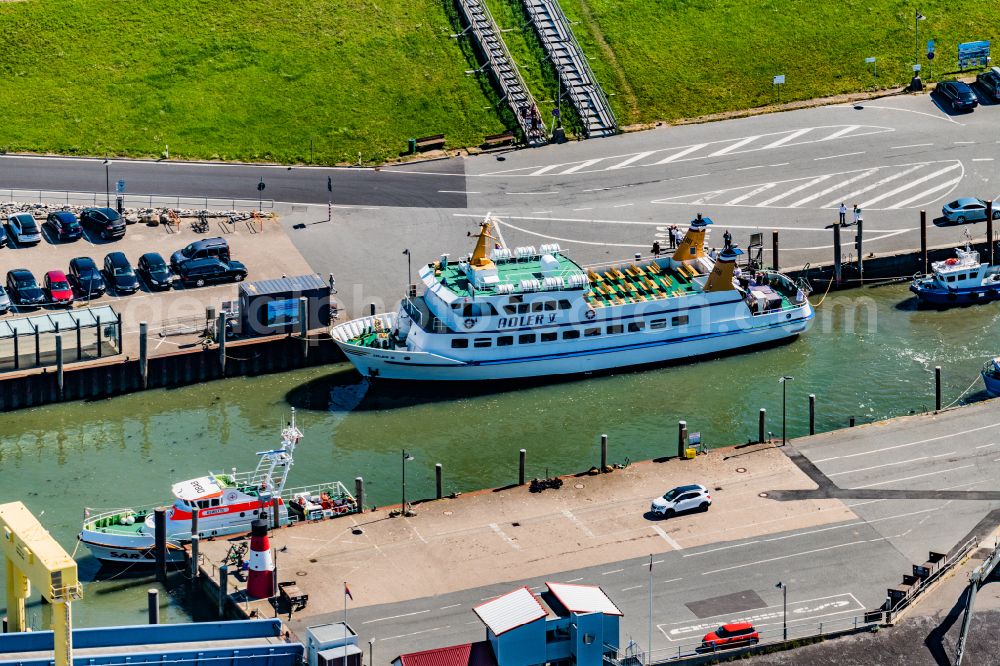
{"type": "Point", "coordinates": [105, 221]}
{"type": "Point", "coordinates": [84, 275]}
{"type": "Point", "coordinates": [119, 272]}
{"type": "Point", "coordinates": [206, 248]}
{"type": "Point", "coordinates": [23, 288]}
{"type": "Point", "coordinates": [989, 83]}
{"type": "Point", "coordinates": [199, 272]}
{"type": "Point", "coordinates": [64, 225]}
{"type": "Point", "coordinates": [958, 95]}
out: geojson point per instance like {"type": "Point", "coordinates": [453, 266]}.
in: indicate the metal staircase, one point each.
{"type": "Point", "coordinates": [574, 71]}
{"type": "Point", "coordinates": [501, 66]}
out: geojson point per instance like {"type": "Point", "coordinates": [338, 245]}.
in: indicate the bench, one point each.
{"type": "Point", "coordinates": [494, 140]}
{"type": "Point", "coordinates": [433, 142]}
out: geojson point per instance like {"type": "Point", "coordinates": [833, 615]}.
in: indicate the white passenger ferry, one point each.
{"type": "Point", "coordinates": [513, 313]}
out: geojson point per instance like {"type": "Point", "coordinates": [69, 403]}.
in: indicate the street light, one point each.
{"type": "Point", "coordinates": [784, 392]}
{"type": "Point", "coordinates": [403, 510]}
{"type": "Point", "coordinates": [107, 181]}
{"type": "Point", "coordinates": [784, 603]}
{"type": "Point", "coordinates": [917, 18]}
{"type": "Point", "coordinates": [409, 269]}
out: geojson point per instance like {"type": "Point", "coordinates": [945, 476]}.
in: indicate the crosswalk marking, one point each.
{"type": "Point", "coordinates": [581, 165]}
{"type": "Point", "coordinates": [686, 151]}
{"type": "Point", "coordinates": [730, 148]}
{"type": "Point", "coordinates": [805, 185]}
{"type": "Point", "coordinates": [909, 185]}
{"type": "Point", "coordinates": [833, 188]}
{"type": "Point", "coordinates": [790, 137]}
{"type": "Point", "coordinates": [751, 193]}
{"type": "Point", "coordinates": [634, 158]}
{"type": "Point", "coordinates": [942, 186]}
{"type": "Point", "coordinates": [545, 169]}
{"type": "Point", "coordinates": [872, 186]}
{"type": "Point", "coordinates": [841, 132]}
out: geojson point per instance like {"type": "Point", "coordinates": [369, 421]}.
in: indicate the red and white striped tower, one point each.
{"type": "Point", "coordinates": [260, 579]}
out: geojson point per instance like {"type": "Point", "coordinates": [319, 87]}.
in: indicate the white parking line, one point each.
{"type": "Point", "coordinates": [396, 617]}
{"type": "Point", "coordinates": [500, 532]}
{"type": "Point", "coordinates": [799, 188]}
{"type": "Point", "coordinates": [581, 165]}
{"type": "Point", "coordinates": [731, 147]}
{"type": "Point", "coordinates": [832, 157]}
{"type": "Point", "coordinates": [842, 131]}
{"type": "Point", "coordinates": [912, 145]}
{"type": "Point", "coordinates": [919, 441]}
{"type": "Point", "coordinates": [982, 159]}
{"type": "Point", "coordinates": [634, 158]}
{"type": "Point", "coordinates": [865, 469]}
{"type": "Point", "coordinates": [794, 135]}
{"type": "Point", "coordinates": [916, 476]}
{"type": "Point", "coordinates": [925, 193]}
{"type": "Point", "coordinates": [782, 557]}
{"type": "Point", "coordinates": [872, 186]}
{"type": "Point", "coordinates": [751, 193]}
{"type": "Point", "coordinates": [680, 154]}
{"type": "Point", "coordinates": [912, 183]}
{"type": "Point", "coordinates": [832, 188]}
{"type": "Point", "coordinates": [666, 537]}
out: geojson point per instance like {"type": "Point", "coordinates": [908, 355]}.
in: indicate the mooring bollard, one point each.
{"type": "Point", "coordinates": [682, 431]}
{"type": "Point", "coordinates": [160, 542]}
{"type": "Point", "coordinates": [437, 480]}
{"type": "Point", "coordinates": [852, 422]}
{"type": "Point", "coordinates": [604, 453]}
{"type": "Point", "coordinates": [937, 388]}
{"type": "Point", "coordinates": [143, 354]}
{"type": "Point", "coordinates": [195, 547]}
{"type": "Point", "coordinates": [761, 422]}
{"type": "Point", "coordinates": [153, 605]}
{"type": "Point", "coordinates": [520, 467]}
{"type": "Point", "coordinates": [923, 242]}
{"type": "Point", "coordinates": [359, 493]}
{"type": "Point", "coordinates": [304, 325]}
{"type": "Point", "coordinates": [223, 589]}
{"type": "Point", "coordinates": [774, 247]}
{"type": "Point", "coordinates": [812, 414]}
{"type": "Point", "coordinates": [371, 309]}
{"type": "Point", "coordinates": [220, 337]}
{"type": "Point", "coordinates": [60, 378]}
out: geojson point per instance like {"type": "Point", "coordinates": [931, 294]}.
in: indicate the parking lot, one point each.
{"type": "Point", "coordinates": [261, 245]}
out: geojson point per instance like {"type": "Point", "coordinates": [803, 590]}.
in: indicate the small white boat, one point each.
{"type": "Point", "coordinates": [226, 504]}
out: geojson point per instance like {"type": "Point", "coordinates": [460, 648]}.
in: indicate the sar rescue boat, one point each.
{"type": "Point", "coordinates": [226, 503]}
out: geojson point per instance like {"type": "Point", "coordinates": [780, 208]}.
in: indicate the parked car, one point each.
{"type": "Point", "coordinates": [967, 209]}
{"type": "Point", "coordinates": [730, 635]}
{"type": "Point", "coordinates": [23, 288]}
{"type": "Point", "coordinates": [3, 235]}
{"type": "Point", "coordinates": [119, 273]}
{"type": "Point", "coordinates": [86, 278]}
{"type": "Point", "coordinates": [958, 95]}
{"type": "Point", "coordinates": [206, 248]}
{"type": "Point", "coordinates": [57, 286]}
{"type": "Point", "coordinates": [989, 83]}
{"type": "Point", "coordinates": [199, 272]}
{"type": "Point", "coordinates": [24, 229]}
{"type": "Point", "coordinates": [4, 301]}
{"type": "Point", "coordinates": [105, 221]}
{"type": "Point", "coordinates": [64, 225]}
{"type": "Point", "coordinates": [682, 498]}
{"type": "Point", "coordinates": [154, 271]}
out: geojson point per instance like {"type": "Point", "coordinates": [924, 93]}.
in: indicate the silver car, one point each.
{"type": "Point", "coordinates": [694, 497]}
{"type": "Point", "coordinates": [24, 229]}
{"type": "Point", "coordinates": [967, 209]}
{"type": "Point", "coordinates": [4, 301]}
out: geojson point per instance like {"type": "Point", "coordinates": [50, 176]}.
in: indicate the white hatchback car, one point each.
{"type": "Point", "coordinates": [682, 498]}
{"type": "Point", "coordinates": [24, 229]}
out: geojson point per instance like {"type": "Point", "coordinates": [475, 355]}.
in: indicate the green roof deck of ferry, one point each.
{"type": "Point", "coordinates": [510, 272]}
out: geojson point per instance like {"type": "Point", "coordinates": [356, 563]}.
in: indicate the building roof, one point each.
{"type": "Point", "coordinates": [583, 598]}
{"type": "Point", "coordinates": [510, 611]}
{"type": "Point", "coordinates": [469, 654]}
{"type": "Point", "coordinates": [293, 284]}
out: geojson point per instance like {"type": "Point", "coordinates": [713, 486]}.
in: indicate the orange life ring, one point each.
{"type": "Point", "coordinates": [952, 261]}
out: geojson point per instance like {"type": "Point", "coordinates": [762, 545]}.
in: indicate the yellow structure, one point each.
{"type": "Point", "coordinates": [721, 277]}
{"type": "Point", "coordinates": [33, 557]}
{"type": "Point", "coordinates": [692, 246]}
{"type": "Point", "coordinates": [481, 255]}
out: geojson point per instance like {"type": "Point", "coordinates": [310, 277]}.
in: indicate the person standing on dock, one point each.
{"type": "Point", "coordinates": [857, 214]}
{"type": "Point", "coordinates": [843, 213]}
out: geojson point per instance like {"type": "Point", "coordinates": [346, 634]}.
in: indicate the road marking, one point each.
{"type": "Point", "coordinates": [840, 132]}
{"type": "Point", "coordinates": [832, 157]}
{"type": "Point", "coordinates": [872, 186]}
{"type": "Point", "coordinates": [912, 145]}
{"type": "Point", "coordinates": [587, 208]}
{"type": "Point", "coordinates": [730, 148]}
{"type": "Point", "coordinates": [758, 166]}
{"type": "Point", "coordinates": [792, 191]}
{"type": "Point", "coordinates": [715, 550]}
{"type": "Point", "coordinates": [634, 587]}
{"type": "Point", "coordinates": [922, 441]}
{"type": "Point", "coordinates": [634, 158]}
{"type": "Point", "coordinates": [457, 192]}
{"type": "Point", "coordinates": [944, 185]}
{"type": "Point", "coordinates": [912, 183]}
{"type": "Point", "coordinates": [574, 580]}
{"type": "Point", "coordinates": [982, 159]}
{"type": "Point", "coordinates": [422, 631]}
{"type": "Point", "coordinates": [581, 165]}
{"type": "Point", "coordinates": [579, 523]}
{"type": "Point", "coordinates": [540, 212]}
{"type": "Point", "coordinates": [917, 476]}
{"type": "Point", "coordinates": [666, 537]}
{"type": "Point", "coordinates": [396, 617]}
{"type": "Point", "coordinates": [751, 193]}
{"type": "Point", "coordinates": [865, 469]}
{"type": "Point", "coordinates": [680, 154]}
{"type": "Point", "coordinates": [921, 113]}
{"type": "Point", "coordinates": [545, 169]}
{"type": "Point", "coordinates": [942, 455]}
{"type": "Point", "coordinates": [605, 573]}
{"type": "Point", "coordinates": [983, 446]}
{"type": "Point", "coordinates": [451, 606]}
{"type": "Point", "coordinates": [513, 544]}
{"type": "Point", "coordinates": [671, 580]}
{"type": "Point", "coordinates": [963, 142]}
{"type": "Point", "coordinates": [626, 205]}
{"type": "Point", "coordinates": [794, 135]}
{"type": "Point", "coordinates": [782, 557]}
{"type": "Point", "coordinates": [863, 174]}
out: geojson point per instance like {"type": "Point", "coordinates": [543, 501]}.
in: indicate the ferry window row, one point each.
{"type": "Point", "coordinates": [515, 306]}
{"type": "Point", "coordinates": [206, 503]}
{"type": "Point", "coordinates": [570, 334]}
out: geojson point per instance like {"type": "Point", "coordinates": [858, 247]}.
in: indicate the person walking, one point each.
{"type": "Point", "coordinates": [857, 214]}
{"type": "Point", "coordinates": [843, 214]}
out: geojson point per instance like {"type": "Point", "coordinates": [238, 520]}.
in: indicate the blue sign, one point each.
{"type": "Point", "coordinates": [120, 186]}
{"type": "Point", "coordinates": [973, 53]}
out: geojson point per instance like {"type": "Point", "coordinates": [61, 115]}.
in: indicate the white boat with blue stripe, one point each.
{"type": "Point", "coordinates": [505, 313]}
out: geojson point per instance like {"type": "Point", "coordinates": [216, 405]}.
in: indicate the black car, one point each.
{"type": "Point", "coordinates": [154, 271]}
{"type": "Point", "coordinates": [86, 278]}
{"type": "Point", "coordinates": [23, 288]}
{"type": "Point", "coordinates": [958, 95]}
{"type": "Point", "coordinates": [206, 248]}
{"type": "Point", "coordinates": [105, 221]}
{"type": "Point", "coordinates": [989, 83]}
{"type": "Point", "coordinates": [3, 235]}
{"type": "Point", "coordinates": [119, 272]}
{"type": "Point", "coordinates": [64, 225]}
{"type": "Point", "coordinates": [199, 272]}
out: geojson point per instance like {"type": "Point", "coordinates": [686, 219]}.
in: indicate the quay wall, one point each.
{"type": "Point", "coordinates": [118, 376]}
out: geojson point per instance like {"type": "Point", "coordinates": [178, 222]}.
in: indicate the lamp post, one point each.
{"type": "Point", "coordinates": [409, 269]}
{"type": "Point", "coordinates": [784, 605]}
{"type": "Point", "coordinates": [917, 18]}
{"type": "Point", "coordinates": [403, 511]}
{"type": "Point", "coordinates": [784, 393]}
{"type": "Point", "coordinates": [107, 181]}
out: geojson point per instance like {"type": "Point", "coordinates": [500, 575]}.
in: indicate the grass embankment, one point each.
{"type": "Point", "coordinates": [676, 59]}
{"type": "Point", "coordinates": [284, 80]}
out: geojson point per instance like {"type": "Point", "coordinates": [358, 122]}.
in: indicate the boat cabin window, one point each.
{"type": "Point", "coordinates": [591, 332]}
{"type": "Point", "coordinates": [505, 341]}
{"type": "Point", "coordinates": [516, 299]}
{"type": "Point", "coordinates": [459, 343]}
{"type": "Point", "coordinates": [549, 337]}
{"type": "Point", "coordinates": [474, 309]}
{"type": "Point", "coordinates": [636, 326]}
{"type": "Point", "coordinates": [571, 335]}
{"type": "Point", "coordinates": [680, 320]}
{"type": "Point", "coordinates": [658, 323]}
{"type": "Point", "coordinates": [615, 329]}
{"type": "Point", "coordinates": [950, 278]}
{"type": "Point", "coordinates": [482, 342]}
{"type": "Point", "coordinates": [564, 304]}
{"type": "Point", "coordinates": [526, 339]}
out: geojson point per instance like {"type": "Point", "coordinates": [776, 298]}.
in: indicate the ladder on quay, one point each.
{"type": "Point", "coordinates": [503, 69]}
{"type": "Point", "coordinates": [574, 71]}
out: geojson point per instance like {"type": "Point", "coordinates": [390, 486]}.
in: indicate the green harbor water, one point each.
{"type": "Point", "coordinates": [870, 354]}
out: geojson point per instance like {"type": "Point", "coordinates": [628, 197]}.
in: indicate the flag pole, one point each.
{"type": "Point", "coordinates": [345, 623]}
{"type": "Point", "coordinates": [649, 645]}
